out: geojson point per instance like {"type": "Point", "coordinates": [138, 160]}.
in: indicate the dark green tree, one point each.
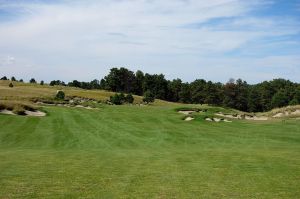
{"type": "Point", "coordinates": [129, 98]}
{"type": "Point", "coordinates": [148, 97]}
{"type": "Point", "coordinates": [174, 88]}
{"type": "Point", "coordinates": [280, 99]}
{"type": "Point", "coordinates": [60, 95]}
{"type": "Point", "coordinates": [32, 81]}
{"type": "Point", "coordinates": [185, 93]}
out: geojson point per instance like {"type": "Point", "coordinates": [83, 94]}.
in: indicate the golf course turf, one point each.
{"type": "Point", "coordinates": [146, 152]}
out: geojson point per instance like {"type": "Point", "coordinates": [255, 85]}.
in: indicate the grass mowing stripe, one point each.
{"type": "Point", "coordinates": [146, 152]}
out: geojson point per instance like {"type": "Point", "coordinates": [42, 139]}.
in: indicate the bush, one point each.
{"type": "Point", "coordinates": [32, 81]}
{"type": "Point", "coordinates": [280, 99]}
{"type": "Point", "coordinates": [11, 85]}
{"type": "Point", "coordinates": [4, 78]}
{"type": "Point", "coordinates": [116, 99]}
{"type": "Point", "coordinates": [60, 95]}
{"type": "Point", "coordinates": [148, 97]}
{"type": "Point", "coordinates": [129, 99]}
{"type": "Point", "coordinates": [42, 82]}
{"type": "Point", "coordinates": [119, 99]}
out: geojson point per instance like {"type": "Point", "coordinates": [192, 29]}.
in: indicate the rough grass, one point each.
{"type": "Point", "coordinates": [18, 107]}
{"type": "Point", "coordinates": [26, 91]}
{"type": "Point", "coordinates": [146, 152]}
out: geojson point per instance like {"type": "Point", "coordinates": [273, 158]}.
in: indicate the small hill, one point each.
{"type": "Point", "coordinates": [32, 92]}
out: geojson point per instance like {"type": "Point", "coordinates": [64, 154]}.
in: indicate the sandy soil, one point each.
{"type": "Point", "coordinates": [7, 112]}
{"type": "Point", "coordinates": [35, 113]}
{"type": "Point", "coordinates": [28, 113]}
{"type": "Point", "coordinates": [186, 112]}
{"type": "Point", "coordinates": [189, 119]}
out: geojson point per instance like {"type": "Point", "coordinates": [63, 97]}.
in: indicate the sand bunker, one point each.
{"type": "Point", "coordinates": [86, 107]}
{"type": "Point", "coordinates": [246, 117]}
{"type": "Point", "coordinates": [35, 113]}
{"type": "Point", "coordinates": [217, 120]}
{"type": "Point", "coordinates": [27, 113]}
{"type": "Point", "coordinates": [186, 112]}
{"type": "Point", "coordinates": [7, 112]}
{"type": "Point", "coordinates": [296, 112]}
{"type": "Point", "coordinates": [286, 113]}
{"type": "Point", "coordinates": [189, 119]}
{"type": "Point", "coordinates": [229, 116]}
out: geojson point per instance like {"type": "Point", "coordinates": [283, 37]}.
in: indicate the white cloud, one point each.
{"type": "Point", "coordinates": [6, 60]}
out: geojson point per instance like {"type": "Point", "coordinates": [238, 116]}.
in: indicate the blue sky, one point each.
{"type": "Point", "coordinates": [215, 40]}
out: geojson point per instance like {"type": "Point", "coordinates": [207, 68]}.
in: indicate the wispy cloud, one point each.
{"type": "Point", "coordinates": [95, 35]}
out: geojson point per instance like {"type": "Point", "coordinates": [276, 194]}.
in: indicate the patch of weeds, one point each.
{"type": "Point", "coordinates": [19, 110]}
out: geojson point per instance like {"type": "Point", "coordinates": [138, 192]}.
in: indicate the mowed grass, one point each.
{"type": "Point", "coordinates": [146, 152]}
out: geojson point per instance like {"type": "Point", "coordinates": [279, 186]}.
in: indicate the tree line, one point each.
{"type": "Point", "coordinates": [236, 94]}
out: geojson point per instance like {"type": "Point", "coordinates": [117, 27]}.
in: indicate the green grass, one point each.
{"type": "Point", "coordinates": [146, 152]}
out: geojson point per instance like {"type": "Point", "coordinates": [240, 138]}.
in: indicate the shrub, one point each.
{"type": "Point", "coordinates": [280, 99]}
{"type": "Point", "coordinates": [122, 98]}
{"type": "Point", "coordinates": [129, 99]}
{"type": "Point", "coordinates": [119, 99]}
{"type": "Point", "coordinates": [4, 78]}
{"type": "Point", "coordinates": [148, 97]}
{"type": "Point", "coordinates": [60, 95]}
{"type": "Point", "coordinates": [42, 82]}
{"type": "Point", "coordinates": [32, 81]}
{"type": "Point", "coordinates": [11, 85]}
{"type": "Point", "coordinates": [116, 99]}
{"type": "Point", "coordinates": [294, 102]}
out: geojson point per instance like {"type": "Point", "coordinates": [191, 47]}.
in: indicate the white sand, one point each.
{"type": "Point", "coordinates": [7, 112]}
{"type": "Point", "coordinates": [189, 119]}
{"type": "Point", "coordinates": [35, 113]}
{"type": "Point", "coordinates": [186, 112]}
